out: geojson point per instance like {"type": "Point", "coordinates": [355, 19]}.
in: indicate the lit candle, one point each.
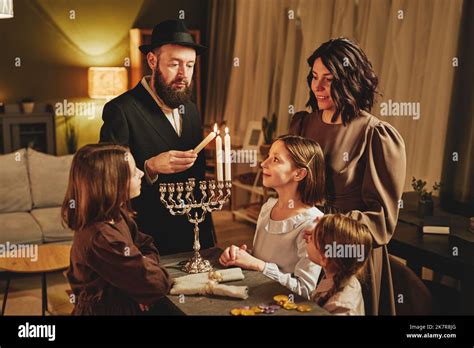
{"type": "Point", "coordinates": [227, 154]}
{"type": "Point", "coordinates": [220, 157]}
{"type": "Point", "coordinates": [206, 141]}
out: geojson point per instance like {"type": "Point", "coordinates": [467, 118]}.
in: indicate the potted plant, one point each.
{"type": "Point", "coordinates": [27, 105]}
{"type": "Point", "coordinates": [425, 202]}
{"type": "Point", "coordinates": [268, 128]}
{"type": "Point", "coordinates": [70, 133]}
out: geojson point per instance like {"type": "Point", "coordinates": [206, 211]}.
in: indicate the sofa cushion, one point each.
{"type": "Point", "coordinates": [49, 178]}
{"type": "Point", "coordinates": [19, 228]}
{"type": "Point", "coordinates": [49, 220]}
{"type": "Point", "coordinates": [15, 193]}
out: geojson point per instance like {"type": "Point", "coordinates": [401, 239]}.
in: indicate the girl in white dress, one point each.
{"type": "Point", "coordinates": [295, 170]}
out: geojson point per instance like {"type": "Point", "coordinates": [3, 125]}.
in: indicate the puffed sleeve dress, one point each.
{"type": "Point", "coordinates": [365, 168]}
{"type": "Point", "coordinates": [114, 268]}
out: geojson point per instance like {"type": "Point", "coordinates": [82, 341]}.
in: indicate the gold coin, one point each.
{"type": "Point", "coordinates": [280, 298]}
{"type": "Point", "coordinates": [247, 312]}
{"type": "Point", "coordinates": [256, 310]}
{"type": "Point", "coordinates": [303, 308]}
{"type": "Point", "coordinates": [236, 311]}
{"type": "Point", "coordinates": [290, 306]}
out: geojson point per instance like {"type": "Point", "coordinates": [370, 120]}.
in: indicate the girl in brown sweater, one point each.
{"type": "Point", "coordinates": [115, 269]}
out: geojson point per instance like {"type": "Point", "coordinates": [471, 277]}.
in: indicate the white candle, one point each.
{"type": "Point", "coordinates": [227, 154]}
{"type": "Point", "coordinates": [220, 157]}
{"type": "Point", "coordinates": [206, 141]}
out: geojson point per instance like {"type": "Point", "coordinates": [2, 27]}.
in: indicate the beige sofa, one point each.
{"type": "Point", "coordinates": [32, 188]}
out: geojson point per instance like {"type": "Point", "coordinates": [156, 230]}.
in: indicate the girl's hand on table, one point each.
{"type": "Point", "coordinates": [235, 256]}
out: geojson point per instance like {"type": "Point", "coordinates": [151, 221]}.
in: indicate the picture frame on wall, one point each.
{"type": "Point", "coordinates": [253, 136]}
{"type": "Point", "coordinates": [139, 65]}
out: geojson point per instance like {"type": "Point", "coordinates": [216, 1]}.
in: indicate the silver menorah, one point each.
{"type": "Point", "coordinates": [212, 199]}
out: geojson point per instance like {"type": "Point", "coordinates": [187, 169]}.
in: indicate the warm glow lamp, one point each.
{"type": "Point", "coordinates": [6, 9]}
{"type": "Point", "coordinates": [107, 83]}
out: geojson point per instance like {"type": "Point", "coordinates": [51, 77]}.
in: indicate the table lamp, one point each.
{"type": "Point", "coordinates": [107, 82]}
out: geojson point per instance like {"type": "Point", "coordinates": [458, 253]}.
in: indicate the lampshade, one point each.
{"type": "Point", "coordinates": [6, 9]}
{"type": "Point", "coordinates": [106, 83]}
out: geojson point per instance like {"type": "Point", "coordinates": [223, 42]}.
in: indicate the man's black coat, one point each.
{"type": "Point", "coordinates": [134, 119]}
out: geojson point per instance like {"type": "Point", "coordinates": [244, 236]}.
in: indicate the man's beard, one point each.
{"type": "Point", "coordinates": [170, 96]}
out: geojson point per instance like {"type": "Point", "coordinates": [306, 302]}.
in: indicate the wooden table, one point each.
{"type": "Point", "coordinates": [436, 251]}
{"type": "Point", "coordinates": [261, 290]}
{"type": "Point", "coordinates": [50, 258]}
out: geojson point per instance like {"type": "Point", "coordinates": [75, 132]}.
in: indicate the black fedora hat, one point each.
{"type": "Point", "coordinates": [171, 31]}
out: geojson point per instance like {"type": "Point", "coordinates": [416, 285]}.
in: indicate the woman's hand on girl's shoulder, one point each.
{"type": "Point", "coordinates": [308, 232]}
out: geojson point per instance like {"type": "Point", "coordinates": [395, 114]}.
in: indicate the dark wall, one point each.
{"type": "Point", "coordinates": [55, 50]}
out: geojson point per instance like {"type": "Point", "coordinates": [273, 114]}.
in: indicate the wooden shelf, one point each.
{"type": "Point", "coordinates": [31, 132]}
{"type": "Point", "coordinates": [254, 189]}
{"type": "Point", "coordinates": [242, 213]}
{"type": "Point", "coordinates": [248, 211]}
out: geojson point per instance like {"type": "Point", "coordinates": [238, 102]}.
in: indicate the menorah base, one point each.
{"type": "Point", "coordinates": [197, 264]}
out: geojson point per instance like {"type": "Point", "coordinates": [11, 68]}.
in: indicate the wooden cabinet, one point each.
{"type": "Point", "coordinates": [36, 130]}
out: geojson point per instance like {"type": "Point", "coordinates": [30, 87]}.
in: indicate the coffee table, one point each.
{"type": "Point", "coordinates": [50, 258]}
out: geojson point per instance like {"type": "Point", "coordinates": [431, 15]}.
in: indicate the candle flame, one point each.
{"type": "Point", "coordinates": [215, 127]}
{"type": "Point", "coordinates": [226, 130]}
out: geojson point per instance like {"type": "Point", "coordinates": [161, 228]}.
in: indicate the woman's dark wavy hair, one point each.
{"type": "Point", "coordinates": [354, 85]}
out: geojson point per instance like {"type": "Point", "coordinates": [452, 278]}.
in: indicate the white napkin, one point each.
{"type": "Point", "coordinates": [223, 275]}
{"type": "Point", "coordinates": [208, 284]}
{"type": "Point", "coordinates": [210, 288]}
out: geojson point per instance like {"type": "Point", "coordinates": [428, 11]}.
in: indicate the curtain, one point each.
{"type": "Point", "coordinates": [412, 57]}
{"type": "Point", "coordinates": [416, 67]}
{"type": "Point", "coordinates": [259, 36]}
{"type": "Point", "coordinates": [457, 192]}
{"type": "Point", "coordinates": [221, 43]}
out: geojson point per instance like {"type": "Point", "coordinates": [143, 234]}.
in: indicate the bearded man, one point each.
{"type": "Point", "coordinates": [161, 125]}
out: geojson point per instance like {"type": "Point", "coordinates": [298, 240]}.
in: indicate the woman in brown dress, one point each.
{"type": "Point", "coordinates": [365, 157]}
{"type": "Point", "coordinates": [115, 269]}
